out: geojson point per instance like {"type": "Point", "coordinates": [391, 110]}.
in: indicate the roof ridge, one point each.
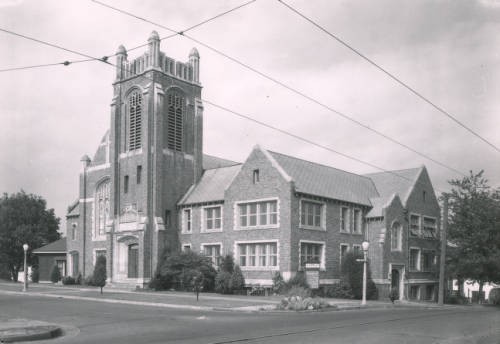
{"type": "Point", "coordinates": [393, 171]}
{"type": "Point", "coordinates": [318, 164]}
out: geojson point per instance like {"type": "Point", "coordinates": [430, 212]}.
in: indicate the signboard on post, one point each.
{"type": "Point", "coordinates": [312, 275]}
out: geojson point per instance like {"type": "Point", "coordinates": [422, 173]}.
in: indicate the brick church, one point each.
{"type": "Point", "coordinates": [150, 187]}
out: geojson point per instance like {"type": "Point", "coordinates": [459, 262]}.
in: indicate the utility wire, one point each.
{"type": "Point", "coordinates": [249, 118]}
{"type": "Point", "coordinates": [390, 75]}
{"type": "Point", "coordinates": [282, 84]}
{"type": "Point", "coordinates": [65, 63]}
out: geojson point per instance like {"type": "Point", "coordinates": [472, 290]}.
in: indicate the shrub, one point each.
{"type": "Point", "coordinates": [68, 280]}
{"type": "Point", "coordinates": [177, 270]}
{"type": "Point", "coordinates": [35, 275]}
{"type": "Point", "coordinates": [78, 279]}
{"type": "Point", "coordinates": [298, 303]}
{"type": "Point", "coordinates": [237, 281]}
{"type": "Point", "coordinates": [223, 282]}
{"type": "Point", "coordinates": [494, 297]}
{"type": "Point", "coordinates": [100, 272]}
{"type": "Point", "coordinates": [227, 263]}
{"type": "Point", "coordinates": [455, 299]}
{"type": "Point", "coordinates": [352, 275]}
{"type": "Point", "coordinates": [55, 274]}
{"type": "Point", "coordinates": [341, 290]}
{"type": "Point", "coordinates": [89, 280]}
{"type": "Point", "coordinates": [299, 291]}
{"type": "Point", "coordinates": [299, 280]}
{"type": "Point", "coordinates": [279, 284]}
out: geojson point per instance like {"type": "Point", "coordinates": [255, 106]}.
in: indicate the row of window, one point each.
{"type": "Point", "coordinates": [423, 226]}
{"type": "Point", "coordinates": [175, 112]}
{"type": "Point", "coordinates": [264, 214]}
{"type": "Point", "coordinates": [265, 254]}
{"type": "Point", "coordinates": [415, 292]}
{"type": "Point", "coordinates": [422, 260]}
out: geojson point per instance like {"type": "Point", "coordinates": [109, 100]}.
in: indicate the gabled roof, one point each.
{"type": "Point", "coordinates": [73, 209]}
{"type": "Point", "coordinates": [102, 150]}
{"type": "Point", "coordinates": [325, 181]}
{"type": "Point", "coordinates": [210, 162]}
{"type": "Point", "coordinates": [211, 186]}
{"type": "Point", "coordinates": [58, 246]}
{"type": "Point", "coordinates": [380, 203]}
{"type": "Point", "coordinates": [398, 182]}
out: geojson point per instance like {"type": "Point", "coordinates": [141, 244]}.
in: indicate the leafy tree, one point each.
{"type": "Point", "coordinates": [474, 230]}
{"type": "Point", "coordinates": [178, 269]}
{"type": "Point", "coordinates": [24, 219]}
{"type": "Point", "coordinates": [55, 274]}
{"type": "Point", "coordinates": [237, 281]}
{"type": "Point", "coordinates": [352, 275]}
{"type": "Point", "coordinates": [100, 272]}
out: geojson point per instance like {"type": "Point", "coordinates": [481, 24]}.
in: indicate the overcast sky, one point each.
{"type": "Point", "coordinates": [447, 50]}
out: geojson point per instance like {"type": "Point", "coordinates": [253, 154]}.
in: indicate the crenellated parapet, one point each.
{"type": "Point", "coordinates": [156, 59]}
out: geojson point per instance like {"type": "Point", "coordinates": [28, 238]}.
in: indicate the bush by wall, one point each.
{"type": "Point", "coordinates": [35, 275]}
{"type": "Point", "coordinates": [494, 297]}
{"type": "Point", "coordinates": [100, 272]}
{"type": "Point", "coordinates": [279, 284]}
{"type": "Point", "coordinates": [352, 275]}
{"type": "Point", "coordinates": [55, 274]}
{"type": "Point", "coordinates": [68, 280]}
{"type": "Point", "coordinates": [237, 281]}
{"type": "Point", "coordinates": [176, 270]}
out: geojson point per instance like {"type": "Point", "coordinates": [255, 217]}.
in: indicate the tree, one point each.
{"type": "Point", "coordinates": [24, 219]}
{"type": "Point", "coordinates": [352, 275]}
{"type": "Point", "coordinates": [55, 274]}
{"type": "Point", "coordinates": [474, 230]}
{"type": "Point", "coordinates": [100, 272]}
{"type": "Point", "coordinates": [237, 281]}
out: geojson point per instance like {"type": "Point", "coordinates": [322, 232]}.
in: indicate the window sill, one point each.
{"type": "Point", "coordinates": [101, 238]}
{"type": "Point", "coordinates": [313, 228]}
{"type": "Point", "coordinates": [211, 230]}
{"type": "Point", "coordinates": [255, 227]}
{"type": "Point", "coordinates": [259, 268]}
{"type": "Point", "coordinates": [183, 232]}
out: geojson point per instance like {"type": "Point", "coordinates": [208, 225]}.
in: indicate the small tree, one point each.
{"type": "Point", "coordinates": [237, 281]}
{"type": "Point", "coordinates": [100, 272]}
{"type": "Point", "coordinates": [352, 275]}
{"type": "Point", "coordinates": [35, 274]}
{"type": "Point", "coordinates": [55, 274]}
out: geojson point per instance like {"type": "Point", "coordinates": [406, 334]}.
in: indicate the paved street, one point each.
{"type": "Point", "coordinates": [97, 322]}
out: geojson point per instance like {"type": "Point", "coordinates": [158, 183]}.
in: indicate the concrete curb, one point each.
{"type": "Point", "coordinates": [21, 334]}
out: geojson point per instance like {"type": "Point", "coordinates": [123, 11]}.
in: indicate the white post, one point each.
{"type": "Point", "coordinates": [365, 246]}
{"type": "Point", "coordinates": [25, 284]}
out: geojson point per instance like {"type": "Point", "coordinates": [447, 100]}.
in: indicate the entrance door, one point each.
{"type": "Point", "coordinates": [395, 280]}
{"type": "Point", "coordinates": [74, 263]}
{"type": "Point", "coordinates": [133, 261]}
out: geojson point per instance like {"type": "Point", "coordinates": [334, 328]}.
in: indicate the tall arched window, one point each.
{"type": "Point", "coordinates": [101, 208]}
{"type": "Point", "coordinates": [175, 114]}
{"type": "Point", "coordinates": [134, 123]}
{"type": "Point", "coordinates": [396, 237]}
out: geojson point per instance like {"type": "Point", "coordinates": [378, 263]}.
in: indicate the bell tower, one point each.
{"type": "Point", "coordinates": [156, 154]}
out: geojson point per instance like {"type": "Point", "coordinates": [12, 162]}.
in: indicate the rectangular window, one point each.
{"type": "Point", "coordinates": [125, 184]}
{"type": "Point", "coordinates": [73, 231]}
{"type": "Point", "coordinates": [356, 249]}
{"type": "Point", "coordinates": [343, 250]}
{"type": "Point", "coordinates": [414, 259]}
{"type": "Point", "coordinates": [428, 260]}
{"type": "Point", "coordinates": [310, 253]}
{"type": "Point", "coordinates": [256, 176]}
{"type": "Point", "coordinates": [168, 219]}
{"type": "Point", "coordinates": [429, 227]}
{"type": "Point", "coordinates": [396, 237]}
{"type": "Point", "coordinates": [212, 252]}
{"type": "Point", "coordinates": [357, 221]}
{"type": "Point", "coordinates": [414, 291]}
{"type": "Point", "coordinates": [258, 254]}
{"type": "Point", "coordinates": [414, 225]}
{"type": "Point", "coordinates": [186, 220]}
{"type": "Point", "coordinates": [212, 218]}
{"type": "Point", "coordinates": [139, 174]}
{"type": "Point", "coordinates": [429, 292]}
{"type": "Point", "coordinates": [258, 214]}
{"type": "Point", "coordinates": [344, 219]}
{"type": "Point", "coordinates": [311, 214]}
{"type": "Point", "coordinates": [186, 248]}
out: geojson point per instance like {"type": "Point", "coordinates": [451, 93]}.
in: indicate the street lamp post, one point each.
{"type": "Point", "coordinates": [25, 285]}
{"type": "Point", "coordinates": [365, 246]}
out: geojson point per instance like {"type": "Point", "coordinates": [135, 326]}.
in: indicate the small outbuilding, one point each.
{"type": "Point", "coordinates": [50, 255]}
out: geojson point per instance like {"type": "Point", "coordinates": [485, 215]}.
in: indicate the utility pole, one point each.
{"type": "Point", "coordinates": [442, 258]}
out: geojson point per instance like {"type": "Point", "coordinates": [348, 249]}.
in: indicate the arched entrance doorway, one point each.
{"type": "Point", "coordinates": [395, 281]}
{"type": "Point", "coordinates": [133, 261]}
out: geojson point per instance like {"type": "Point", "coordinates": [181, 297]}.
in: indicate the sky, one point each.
{"type": "Point", "coordinates": [447, 50]}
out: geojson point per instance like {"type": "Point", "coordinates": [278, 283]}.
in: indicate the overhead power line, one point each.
{"type": "Point", "coordinates": [282, 84]}
{"type": "Point", "coordinates": [254, 120]}
{"type": "Point", "coordinates": [390, 75]}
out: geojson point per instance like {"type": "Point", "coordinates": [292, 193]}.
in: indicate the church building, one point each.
{"type": "Point", "coordinates": [150, 187]}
